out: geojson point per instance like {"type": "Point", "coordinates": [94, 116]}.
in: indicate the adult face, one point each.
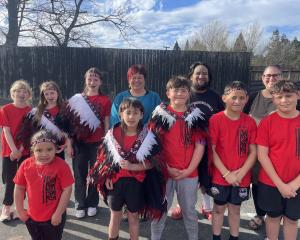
{"type": "Point", "coordinates": [200, 79]}
{"type": "Point", "coordinates": [271, 76]}
{"type": "Point", "coordinates": [137, 82]}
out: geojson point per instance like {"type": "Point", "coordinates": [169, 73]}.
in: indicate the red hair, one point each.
{"type": "Point", "coordinates": [134, 69]}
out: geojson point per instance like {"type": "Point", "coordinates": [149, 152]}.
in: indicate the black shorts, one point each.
{"type": "Point", "coordinates": [229, 194]}
{"type": "Point", "coordinates": [270, 200]}
{"type": "Point", "coordinates": [127, 191]}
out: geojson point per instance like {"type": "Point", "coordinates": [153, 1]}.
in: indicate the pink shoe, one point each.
{"type": "Point", "coordinates": [176, 213]}
{"type": "Point", "coordinates": [206, 213]}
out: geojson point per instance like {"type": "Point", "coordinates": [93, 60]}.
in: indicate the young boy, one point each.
{"type": "Point", "coordinates": [182, 139]}
{"type": "Point", "coordinates": [232, 137]}
{"type": "Point", "coordinates": [278, 140]}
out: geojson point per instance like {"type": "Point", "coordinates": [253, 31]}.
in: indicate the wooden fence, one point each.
{"type": "Point", "coordinates": [67, 66]}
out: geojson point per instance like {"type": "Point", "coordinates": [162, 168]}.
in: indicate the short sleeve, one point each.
{"type": "Point", "coordinates": [253, 131]}
{"type": "Point", "coordinates": [4, 118]}
{"type": "Point", "coordinates": [262, 137]}
{"type": "Point", "coordinates": [19, 178]}
{"type": "Point", "coordinates": [65, 175]}
{"type": "Point", "coordinates": [213, 130]}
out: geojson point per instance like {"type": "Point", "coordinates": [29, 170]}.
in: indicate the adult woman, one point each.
{"type": "Point", "coordinates": [136, 79]}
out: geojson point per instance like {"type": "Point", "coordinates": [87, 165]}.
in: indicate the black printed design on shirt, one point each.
{"type": "Point", "coordinates": [49, 192]}
{"type": "Point", "coordinates": [243, 141]}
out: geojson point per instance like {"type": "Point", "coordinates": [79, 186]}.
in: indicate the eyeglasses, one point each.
{"type": "Point", "coordinates": [275, 75]}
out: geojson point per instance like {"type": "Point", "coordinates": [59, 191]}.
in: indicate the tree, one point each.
{"type": "Point", "coordinates": [187, 45]}
{"type": "Point", "coordinates": [240, 44]}
{"type": "Point", "coordinates": [252, 35]}
{"type": "Point", "coordinates": [176, 47]}
{"type": "Point", "coordinates": [60, 22]}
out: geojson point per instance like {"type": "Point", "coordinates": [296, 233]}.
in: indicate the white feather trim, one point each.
{"type": "Point", "coordinates": [82, 109]}
{"type": "Point", "coordinates": [146, 147]}
{"type": "Point", "coordinates": [196, 113]}
{"type": "Point", "coordinates": [110, 141]}
{"type": "Point", "coordinates": [45, 123]}
{"type": "Point", "coordinates": [166, 117]}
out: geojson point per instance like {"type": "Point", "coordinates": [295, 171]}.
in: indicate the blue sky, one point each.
{"type": "Point", "coordinates": [162, 22]}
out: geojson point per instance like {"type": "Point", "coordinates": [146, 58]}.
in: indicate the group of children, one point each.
{"type": "Point", "coordinates": [141, 166]}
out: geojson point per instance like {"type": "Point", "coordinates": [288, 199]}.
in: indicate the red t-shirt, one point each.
{"type": "Point", "coordinates": [44, 185]}
{"type": "Point", "coordinates": [282, 137]}
{"type": "Point", "coordinates": [232, 139]}
{"type": "Point", "coordinates": [53, 111]}
{"type": "Point", "coordinates": [128, 142]}
{"type": "Point", "coordinates": [102, 105]}
{"type": "Point", "coordinates": [174, 151]}
{"type": "Point", "coordinates": [12, 117]}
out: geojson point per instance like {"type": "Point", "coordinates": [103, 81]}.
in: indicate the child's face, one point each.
{"type": "Point", "coordinates": [131, 116]}
{"type": "Point", "coordinates": [20, 95]}
{"type": "Point", "coordinates": [51, 96]}
{"type": "Point", "coordinates": [235, 100]}
{"type": "Point", "coordinates": [285, 102]}
{"type": "Point", "coordinates": [44, 152]}
{"type": "Point", "coordinates": [137, 82]}
{"type": "Point", "coordinates": [93, 81]}
{"type": "Point", "coordinates": [178, 96]}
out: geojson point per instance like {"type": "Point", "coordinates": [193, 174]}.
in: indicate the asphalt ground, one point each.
{"type": "Point", "coordinates": [92, 228]}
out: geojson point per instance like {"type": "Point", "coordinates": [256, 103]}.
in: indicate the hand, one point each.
{"type": "Point", "coordinates": [15, 155]}
{"type": "Point", "coordinates": [23, 216]}
{"type": "Point", "coordinates": [56, 219]}
{"type": "Point", "coordinates": [174, 172]}
{"type": "Point", "coordinates": [125, 165]}
{"type": "Point", "coordinates": [109, 184]}
{"type": "Point", "coordinates": [294, 186]}
{"type": "Point", "coordinates": [70, 151]}
{"type": "Point", "coordinates": [184, 174]}
{"type": "Point", "coordinates": [232, 179]}
{"type": "Point", "coordinates": [287, 191]}
{"type": "Point", "coordinates": [239, 174]}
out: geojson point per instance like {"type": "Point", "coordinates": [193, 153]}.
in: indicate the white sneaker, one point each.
{"type": "Point", "coordinates": [92, 211]}
{"type": "Point", "coordinates": [80, 213]}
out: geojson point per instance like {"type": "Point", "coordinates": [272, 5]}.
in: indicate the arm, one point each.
{"type": "Point", "coordinates": [231, 178]}
{"type": "Point", "coordinates": [263, 157]}
{"type": "Point", "coordinates": [19, 194]}
{"type": "Point", "coordinates": [196, 158]}
{"type": "Point", "coordinates": [106, 124]}
{"type": "Point", "coordinates": [15, 152]}
{"type": "Point", "coordinates": [248, 163]}
{"type": "Point", "coordinates": [62, 205]}
{"type": "Point", "coordinates": [114, 114]}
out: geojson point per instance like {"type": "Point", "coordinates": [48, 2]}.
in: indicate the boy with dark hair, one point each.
{"type": "Point", "coordinates": [278, 149]}
{"type": "Point", "coordinates": [180, 129]}
{"type": "Point", "coordinates": [232, 135]}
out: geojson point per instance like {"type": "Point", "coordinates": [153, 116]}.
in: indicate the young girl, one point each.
{"type": "Point", "coordinates": [46, 116]}
{"type": "Point", "coordinates": [120, 173]}
{"type": "Point", "coordinates": [47, 180]}
{"type": "Point", "coordinates": [13, 153]}
{"type": "Point", "coordinates": [88, 117]}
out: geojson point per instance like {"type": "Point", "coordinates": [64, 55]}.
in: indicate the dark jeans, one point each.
{"type": "Point", "coordinates": [259, 211]}
{"type": "Point", "coordinates": [45, 230]}
{"type": "Point", "coordinates": [9, 170]}
{"type": "Point", "coordinates": [84, 158]}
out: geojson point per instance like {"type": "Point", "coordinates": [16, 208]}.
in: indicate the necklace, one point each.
{"type": "Point", "coordinates": [40, 174]}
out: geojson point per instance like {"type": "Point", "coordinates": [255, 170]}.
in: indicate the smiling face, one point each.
{"type": "Point", "coordinates": [271, 76]}
{"type": "Point", "coordinates": [235, 100]}
{"type": "Point", "coordinates": [50, 96]}
{"type": "Point", "coordinates": [92, 82]}
{"type": "Point", "coordinates": [44, 152]}
{"type": "Point", "coordinates": [200, 79]}
{"type": "Point", "coordinates": [286, 102]}
{"type": "Point", "coordinates": [131, 116]}
{"type": "Point", "coordinates": [178, 97]}
{"type": "Point", "coordinates": [137, 82]}
{"type": "Point", "coordinates": [20, 96]}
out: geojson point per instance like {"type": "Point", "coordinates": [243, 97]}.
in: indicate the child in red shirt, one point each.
{"type": "Point", "coordinates": [278, 141]}
{"type": "Point", "coordinates": [47, 180]}
{"type": "Point", "coordinates": [47, 115]}
{"type": "Point", "coordinates": [87, 114]}
{"type": "Point", "coordinates": [119, 173]}
{"type": "Point", "coordinates": [180, 129]}
{"type": "Point", "coordinates": [13, 152]}
{"type": "Point", "coordinates": [232, 136]}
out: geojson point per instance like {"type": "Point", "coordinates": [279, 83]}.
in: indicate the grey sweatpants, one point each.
{"type": "Point", "coordinates": [186, 190]}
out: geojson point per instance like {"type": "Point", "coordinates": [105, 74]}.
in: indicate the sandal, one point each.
{"type": "Point", "coordinates": [256, 222]}
{"type": "Point", "coordinates": [176, 213]}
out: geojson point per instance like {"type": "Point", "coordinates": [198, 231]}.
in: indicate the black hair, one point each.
{"type": "Point", "coordinates": [284, 86]}
{"type": "Point", "coordinates": [235, 85]}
